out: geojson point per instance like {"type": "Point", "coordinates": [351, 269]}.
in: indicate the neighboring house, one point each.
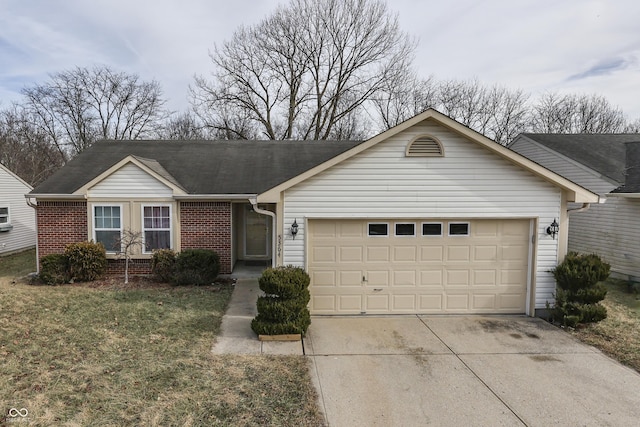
{"type": "Point", "coordinates": [606, 164]}
{"type": "Point", "coordinates": [17, 218]}
{"type": "Point", "coordinates": [427, 217]}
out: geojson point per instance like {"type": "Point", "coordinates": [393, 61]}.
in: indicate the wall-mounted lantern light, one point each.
{"type": "Point", "coordinates": [294, 228]}
{"type": "Point", "coordinates": [552, 230]}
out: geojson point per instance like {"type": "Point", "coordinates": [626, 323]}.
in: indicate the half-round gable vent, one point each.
{"type": "Point", "coordinates": [425, 146]}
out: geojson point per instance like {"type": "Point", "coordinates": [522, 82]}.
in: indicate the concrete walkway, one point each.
{"type": "Point", "coordinates": [236, 336]}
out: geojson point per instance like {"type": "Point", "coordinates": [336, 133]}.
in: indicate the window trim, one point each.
{"type": "Point", "coordinates": [369, 224]}
{"type": "Point", "coordinates": [143, 229]}
{"type": "Point", "coordinates": [395, 229]}
{"type": "Point", "coordinates": [93, 222]}
{"type": "Point", "coordinates": [7, 215]}
{"type": "Point", "coordinates": [467, 223]}
{"type": "Point", "coordinates": [440, 223]}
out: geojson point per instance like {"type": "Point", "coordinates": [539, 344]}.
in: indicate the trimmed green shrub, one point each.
{"type": "Point", "coordinates": [163, 264]}
{"type": "Point", "coordinates": [87, 260]}
{"type": "Point", "coordinates": [283, 310]}
{"type": "Point", "coordinates": [579, 292]}
{"type": "Point", "coordinates": [54, 269]}
{"type": "Point", "coordinates": [196, 267]}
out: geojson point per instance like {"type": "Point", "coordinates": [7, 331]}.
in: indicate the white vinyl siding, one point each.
{"type": "Point", "coordinates": [469, 182]}
{"type": "Point", "coordinates": [19, 214]}
{"type": "Point", "coordinates": [130, 181]}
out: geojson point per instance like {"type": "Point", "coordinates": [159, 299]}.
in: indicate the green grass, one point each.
{"type": "Point", "coordinates": [76, 355]}
{"type": "Point", "coordinates": [19, 264]}
{"type": "Point", "coordinates": [619, 334]}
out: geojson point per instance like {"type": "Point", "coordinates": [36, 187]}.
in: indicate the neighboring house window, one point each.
{"type": "Point", "coordinates": [458, 229]}
{"type": "Point", "coordinates": [107, 226]}
{"type": "Point", "coordinates": [432, 229]}
{"type": "Point", "coordinates": [405, 229]}
{"type": "Point", "coordinates": [378, 229]}
{"type": "Point", "coordinates": [156, 227]}
{"type": "Point", "coordinates": [4, 215]}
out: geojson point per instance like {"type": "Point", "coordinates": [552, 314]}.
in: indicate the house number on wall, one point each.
{"type": "Point", "coordinates": [279, 244]}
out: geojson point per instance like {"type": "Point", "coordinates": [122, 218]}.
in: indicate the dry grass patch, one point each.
{"type": "Point", "coordinates": [619, 334]}
{"type": "Point", "coordinates": [19, 264]}
{"type": "Point", "coordinates": [108, 356]}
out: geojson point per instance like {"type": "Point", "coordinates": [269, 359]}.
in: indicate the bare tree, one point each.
{"type": "Point", "coordinates": [79, 106]}
{"type": "Point", "coordinates": [555, 113]}
{"type": "Point", "coordinates": [127, 243]}
{"type": "Point", "coordinates": [303, 70]}
{"type": "Point", "coordinates": [25, 149]}
{"type": "Point", "coordinates": [183, 127]}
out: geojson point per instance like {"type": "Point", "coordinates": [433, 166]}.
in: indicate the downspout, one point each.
{"type": "Point", "coordinates": [35, 207]}
{"type": "Point", "coordinates": [584, 207]}
{"type": "Point", "coordinates": [254, 204]}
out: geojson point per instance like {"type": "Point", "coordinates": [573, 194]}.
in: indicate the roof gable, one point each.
{"type": "Point", "coordinates": [8, 172]}
{"type": "Point", "coordinates": [574, 191]}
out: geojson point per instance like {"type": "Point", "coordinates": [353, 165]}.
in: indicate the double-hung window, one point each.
{"type": "Point", "coordinates": [107, 226]}
{"type": "Point", "coordinates": [4, 215]}
{"type": "Point", "coordinates": [156, 227]}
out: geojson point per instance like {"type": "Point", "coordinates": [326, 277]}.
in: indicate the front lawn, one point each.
{"type": "Point", "coordinates": [115, 356]}
{"type": "Point", "coordinates": [619, 334]}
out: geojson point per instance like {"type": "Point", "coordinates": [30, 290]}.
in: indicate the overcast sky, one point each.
{"type": "Point", "coordinates": [573, 46]}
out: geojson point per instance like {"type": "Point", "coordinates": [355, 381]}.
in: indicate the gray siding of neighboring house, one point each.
{"type": "Point", "coordinates": [610, 229]}
{"type": "Point", "coordinates": [21, 215]}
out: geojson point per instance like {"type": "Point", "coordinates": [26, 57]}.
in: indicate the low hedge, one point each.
{"type": "Point", "coordinates": [54, 269]}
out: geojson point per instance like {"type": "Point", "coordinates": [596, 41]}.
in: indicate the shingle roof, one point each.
{"type": "Point", "coordinates": [604, 153]}
{"type": "Point", "coordinates": [201, 167]}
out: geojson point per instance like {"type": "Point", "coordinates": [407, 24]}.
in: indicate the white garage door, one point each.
{"type": "Point", "coordinates": [418, 266]}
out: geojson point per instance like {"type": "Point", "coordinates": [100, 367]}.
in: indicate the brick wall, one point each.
{"type": "Point", "coordinates": [60, 223]}
{"type": "Point", "coordinates": [207, 225]}
{"type": "Point", "coordinates": [137, 267]}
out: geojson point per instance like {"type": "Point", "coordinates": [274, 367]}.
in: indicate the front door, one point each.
{"type": "Point", "coordinates": [256, 242]}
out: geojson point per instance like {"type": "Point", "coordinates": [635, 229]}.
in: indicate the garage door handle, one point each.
{"type": "Point", "coordinates": [377, 289]}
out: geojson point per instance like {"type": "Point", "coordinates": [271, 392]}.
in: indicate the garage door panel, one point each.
{"type": "Point", "coordinates": [514, 252]}
{"type": "Point", "coordinates": [484, 278]}
{"type": "Point", "coordinates": [457, 302]}
{"type": "Point", "coordinates": [482, 302]}
{"type": "Point", "coordinates": [485, 253]}
{"type": "Point", "coordinates": [430, 303]}
{"type": "Point", "coordinates": [350, 303]}
{"type": "Point", "coordinates": [377, 302]}
{"type": "Point", "coordinates": [405, 253]}
{"type": "Point", "coordinates": [324, 304]}
{"type": "Point", "coordinates": [458, 253]}
{"type": "Point", "coordinates": [377, 278]}
{"type": "Point", "coordinates": [404, 303]}
{"type": "Point", "coordinates": [324, 278]}
{"type": "Point", "coordinates": [431, 278]}
{"type": "Point", "coordinates": [353, 273]}
{"type": "Point", "coordinates": [431, 253]}
{"type": "Point", "coordinates": [351, 278]}
{"type": "Point", "coordinates": [378, 253]}
{"type": "Point", "coordinates": [326, 254]}
{"type": "Point", "coordinates": [404, 278]}
{"type": "Point", "coordinates": [457, 277]}
{"type": "Point", "coordinates": [351, 254]}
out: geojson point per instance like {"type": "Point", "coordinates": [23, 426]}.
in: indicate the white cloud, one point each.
{"type": "Point", "coordinates": [532, 45]}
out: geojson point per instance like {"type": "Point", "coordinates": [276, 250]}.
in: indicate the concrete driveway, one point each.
{"type": "Point", "coordinates": [465, 371]}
